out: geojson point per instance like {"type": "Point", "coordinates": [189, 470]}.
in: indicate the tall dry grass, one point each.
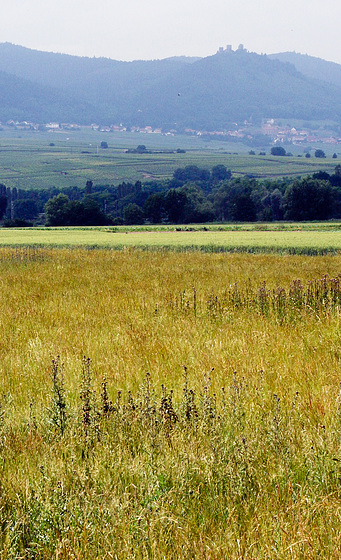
{"type": "Point", "coordinates": [229, 448]}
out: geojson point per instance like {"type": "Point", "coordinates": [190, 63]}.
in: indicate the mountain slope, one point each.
{"type": "Point", "coordinates": [312, 67]}
{"type": "Point", "coordinates": [93, 79]}
{"type": "Point", "coordinates": [209, 93]}
{"type": "Point", "coordinates": [22, 99]}
{"type": "Point", "coordinates": [224, 88]}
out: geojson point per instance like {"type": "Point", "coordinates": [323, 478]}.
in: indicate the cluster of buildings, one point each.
{"type": "Point", "coordinates": [27, 125]}
{"type": "Point", "coordinates": [280, 134]}
{"type": "Point", "coordinates": [274, 133]}
{"type": "Point", "coordinates": [59, 127]}
{"type": "Point", "coordinates": [121, 128]}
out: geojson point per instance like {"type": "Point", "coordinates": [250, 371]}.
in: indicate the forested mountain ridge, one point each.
{"type": "Point", "coordinates": [312, 67]}
{"type": "Point", "coordinates": [22, 99]}
{"type": "Point", "coordinates": [175, 93]}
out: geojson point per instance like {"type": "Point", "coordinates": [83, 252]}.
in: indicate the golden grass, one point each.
{"type": "Point", "coordinates": [258, 477]}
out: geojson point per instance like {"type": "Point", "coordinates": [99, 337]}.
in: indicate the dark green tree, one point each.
{"type": "Point", "coordinates": [56, 210]}
{"type": "Point", "coordinates": [237, 200]}
{"type": "Point", "coordinates": [197, 208]}
{"type": "Point", "coordinates": [88, 187]}
{"type": "Point", "coordinates": [154, 207]}
{"type": "Point", "coordinates": [60, 211]}
{"type": "Point", "coordinates": [74, 214]}
{"type": "Point", "coordinates": [141, 149]}
{"type": "Point", "coordinates": [278, 151]}
{"type": "Point", "coordinates": [133, 214]}
{"type": "Point", "coordinates": [92, 214]}
{"type": "Point", "coordinates": [221, 201]}
{"type": "Point", "coordinates": [321, 175]}
{"type": "Point", "coordinates": [242, 208]}
{"type": "Point", "coordinates": [175, 202]}
{"type": "Point", "coordinates": [191, 173]}
{"type": "Point", "coordinates": [3, 205]}
{"type": "Point", "coordinates": [25, 209]}
{"type": "Point", "coordinates": [308, 199]}
{"type": "Point", "coordinates": [276, 204]}
{"type": "Point", "coordinates": [220, 173]}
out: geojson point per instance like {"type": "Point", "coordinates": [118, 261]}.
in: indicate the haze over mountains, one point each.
{"type": "Point", "coordinates": [176, 93]}
{"type": "Point", "coordinates": [312, 67]}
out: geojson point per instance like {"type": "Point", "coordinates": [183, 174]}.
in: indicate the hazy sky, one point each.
{"type": "Point", "coordinates": [148, 29]}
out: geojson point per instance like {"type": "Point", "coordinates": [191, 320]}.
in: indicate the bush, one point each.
{"type": "Point", "coordinates": [278, 151]}
{"type": "Point", "coordinates": [118, 221]}
{"type": "Point", "coordinates": [17, 223]}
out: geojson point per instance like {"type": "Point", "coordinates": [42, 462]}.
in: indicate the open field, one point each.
{"type": "Point", "coordinates": [100, 460]}
{"type": "Point", "coordinates": [28, 160]}
{"type": "Point", "coordinates": [282, 238]}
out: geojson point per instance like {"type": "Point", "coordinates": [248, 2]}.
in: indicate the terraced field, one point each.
{"type": "Point", "coordinates": [30, 161]}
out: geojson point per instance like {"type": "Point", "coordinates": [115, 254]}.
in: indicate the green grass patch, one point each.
{"type": "Point", "coordinates": [310, 239]}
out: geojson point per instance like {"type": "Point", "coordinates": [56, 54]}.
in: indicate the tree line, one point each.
{"type": "Point", "coordinates": [192, 195]}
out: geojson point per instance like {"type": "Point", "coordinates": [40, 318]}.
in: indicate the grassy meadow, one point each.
{"type": "Point", "coordinates": [165, 405]}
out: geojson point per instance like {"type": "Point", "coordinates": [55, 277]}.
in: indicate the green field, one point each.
{"type": "Point", "coordinates": [282, 238]}
{"type": "Point", "coordinates": [28, 161]}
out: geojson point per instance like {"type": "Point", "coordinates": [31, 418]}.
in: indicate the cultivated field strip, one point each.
{"type": "Point", "coordinates": [291, 239]}
{"type": "Point", "coordinates": [63, 160]}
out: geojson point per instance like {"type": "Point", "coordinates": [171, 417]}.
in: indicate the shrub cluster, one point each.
{"type": "Point", "coordinates": [193, 195]}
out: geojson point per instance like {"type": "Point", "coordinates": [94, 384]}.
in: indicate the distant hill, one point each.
{"type": "Point", "coordinates": [312, 67]}
{"type": "Point", "coordinates": [187, 59]}
{"type": "Point", "coordinates": [175, 93]}
{"type": "Point", "coordinates": [22, 99]}
{"type": "Point", "coordinates": [225, 88]}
